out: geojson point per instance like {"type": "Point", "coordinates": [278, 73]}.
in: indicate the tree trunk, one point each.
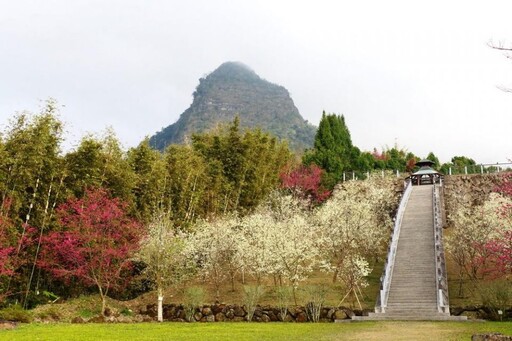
{"type": "Point", "coordinates": [160, 305]}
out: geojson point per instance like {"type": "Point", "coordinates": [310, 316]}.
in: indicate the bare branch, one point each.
{"type": "Point", "coordinates": [502, 88]}
{"type": "Point", "coordinates": [500, 46]}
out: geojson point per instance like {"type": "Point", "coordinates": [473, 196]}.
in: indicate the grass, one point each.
{"type": "Point", "coordinates": [257, 331]}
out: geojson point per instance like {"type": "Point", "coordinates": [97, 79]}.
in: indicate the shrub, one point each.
{"type": "Point", "coordinates": [497, 296]}
{"type": "Point", "coordinates": [16, 313]}
{"type": "Point", "coordinates": [51, 312]}
{"type": "Point", "coordinates": [315, 295]}
{"type": "Point", "coordinates": [252, 294]}
{"type": "Point", "coordinates": [194, 297]}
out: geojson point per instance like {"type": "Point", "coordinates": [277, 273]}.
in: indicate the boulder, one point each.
{"type": "Point", "coordinates": [220, 317]}
{"type": "Point", "coordinates": [97, 319]}
{"type": "Point", "coordinates": [206, 311]}
{"type": "Point", "coordinates": [239, 311]}
{"type": "Point", "coordinates": [340, 315]}
{"type": "Point", "coordinates": [77, 319]}
{"type": "Point", "coordinates": [301, 317]}
{"type": "Point", "coordinates": [230, 314]}
{"type": "Point", "coordinates": [265, 318]}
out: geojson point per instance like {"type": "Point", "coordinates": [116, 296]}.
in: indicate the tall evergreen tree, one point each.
{"type": "Point", "coordinates": [333, 150]}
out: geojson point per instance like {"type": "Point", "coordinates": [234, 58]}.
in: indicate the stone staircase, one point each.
{"type": "Point", "coordinates": [413, 292]}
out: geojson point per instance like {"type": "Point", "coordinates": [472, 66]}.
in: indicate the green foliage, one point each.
{"type": "Point", "coordinates": [432, 157]}
{"type": "Point", "coordinates": [315, 297]}
{"type": "Point", "coordinates": [150, 176]}
{"type": "Point", "coordinates": [283, 299]}
{"type": "Point", "coordinates": [252, 295]}
{"type": "Point", "coordinates": [50, 312]}
{"type": "Point", "coordinates": [242, 168]}
{"type": "Point", "coordinates": [16, 313]}
{"type": "Point", "coordinates": [333, 150]}
{"type": "Point", "coordinates": [194, 298]}
{"type": "Point", "coordinates": [497, 296]}
{"type": "Point", "coordinates": [100, 162]}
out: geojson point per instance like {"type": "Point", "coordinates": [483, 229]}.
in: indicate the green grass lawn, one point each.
{"type": "Point", "coordinates": [257, 331]}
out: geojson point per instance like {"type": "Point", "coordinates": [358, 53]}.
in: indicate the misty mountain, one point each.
{"type": "Point", "coordinates": [234, 89]}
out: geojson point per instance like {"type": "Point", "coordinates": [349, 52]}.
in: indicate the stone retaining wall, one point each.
{"type": "Point", "coordinates": [238, 313]}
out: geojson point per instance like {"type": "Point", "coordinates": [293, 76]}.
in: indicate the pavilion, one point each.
{"type": "Point", "coordinates": [426, 175]}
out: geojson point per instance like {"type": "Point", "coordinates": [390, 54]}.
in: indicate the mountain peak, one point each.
{"type": "Point", "coordinates": [234, 71]}
{"type": "Point", "coordinates": [235, 89]}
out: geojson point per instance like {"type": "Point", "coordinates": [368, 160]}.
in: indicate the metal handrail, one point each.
{"type": "Point", "coordinates": [385, 279]}
{"type": "Point", "coordinates": [441, 276]}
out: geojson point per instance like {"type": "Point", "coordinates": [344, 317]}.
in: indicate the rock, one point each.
{"type": "Point", "coordinates": [218, 308]}
{"type": "Point", "coordinates": [108, 312]}
{"type": "Point", "coordinates": [220, 317]}
{"type": "Point", "coordinates": [288, 318]}
{"type": "Point", "coordinates": [181, 314]}
{"type": "Point", "coordinates": [169, 312]}
{"type": "Point", "coordinates": [349, 312]}
{"type": "Point", "coordinates": [124, 319]}
{"type": "Point", "coordinates": [340, 315]}
{"type": "Point", "coordinates": [206, 311]}
{"type": "Point", "coordinates": [210, 318]}
{"type": "Point", "coordinates": [138, 318]}
{"type": "Point", "coordinates": [330, 313]}
{"type": "Point", "coordinates": [97, 319]}
{"type": "Point", "coordinates": [198, 316]}
{"type": "Point", "coordinates": [77, 319]}
{"type": "Point", "coordinates": [293, 311]}
{"type": "Point", "coordinates": [323, 313]}
{"type": "Point", "coordinates": [456, 311]}
{"type": "Point", "coordinates": [239, 311]}
{"type": "Point", "coordinates": [238, 319]}
{"type": "Point", "coordinates": [151, 310]}
{"type": "Point", "coordinates": [265, 318]}
{"type": "Point", "coordinates": [147, 318]}
{"type": "Point", "coordinates": [258, 312]}
{"type": "Point", "coordinates": [230, 314]}
{"type": "Point", "coordinates": [301, 317]}
{"type": "Point", "coordinates": [272, 316]}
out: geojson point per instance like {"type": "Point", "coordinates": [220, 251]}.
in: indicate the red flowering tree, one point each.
{"type": "Point", "coordinates": [499, 255]}
{"type": "Point", "coordinates": [6, 249]}
{"type": "Point", "coordinates": [505, 187]}
{"type": "Point", "coordinates": [305, 182]}
{"type": "Point", "coordinates": [95, 244]}
{"type": "Point", "coordinates": [13, 249]}
{"type": "Point", "coordinates": [499, 249]}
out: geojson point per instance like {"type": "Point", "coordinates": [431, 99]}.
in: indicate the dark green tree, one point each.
{"type": "Point", "coordinates": [432, 157]}
{"type": "Point", "coordinates": [333, 150]}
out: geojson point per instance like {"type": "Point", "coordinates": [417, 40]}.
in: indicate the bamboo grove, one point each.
{"type": "Point", "coordinates": [218, 172]}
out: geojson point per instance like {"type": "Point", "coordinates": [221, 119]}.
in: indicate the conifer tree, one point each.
{"type": "Point", "coordinates": [333, 150]}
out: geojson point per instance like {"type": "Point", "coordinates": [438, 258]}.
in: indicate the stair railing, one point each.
{"type": "Point", "coordinates": [385, 279]}
{"type": "Point", "coordinates": [441, 276]}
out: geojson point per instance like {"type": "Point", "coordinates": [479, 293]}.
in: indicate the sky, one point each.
{"type": "Point", "coordinates": [414, 74]}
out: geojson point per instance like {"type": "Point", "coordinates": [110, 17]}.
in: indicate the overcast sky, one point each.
{"type": "Point", "coordinates": [418, 74]}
